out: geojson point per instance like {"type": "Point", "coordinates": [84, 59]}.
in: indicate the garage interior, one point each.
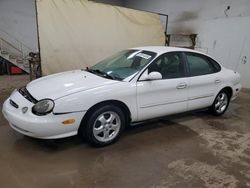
{"type": "Point", "coordinates": [193, 149]}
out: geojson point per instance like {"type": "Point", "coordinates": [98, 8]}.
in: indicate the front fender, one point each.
{"type": "Point", "coordinates": [82, 101]}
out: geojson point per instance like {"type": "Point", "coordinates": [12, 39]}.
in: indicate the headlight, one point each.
{"type": "Point", "coordinates": [43, 107]}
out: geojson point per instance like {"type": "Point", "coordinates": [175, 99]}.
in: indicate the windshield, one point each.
{"type": "Point", "coordinates": [123, 65]}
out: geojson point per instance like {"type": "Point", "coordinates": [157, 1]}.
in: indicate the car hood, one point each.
{"type": "Point", "coordinates": [62, 84]}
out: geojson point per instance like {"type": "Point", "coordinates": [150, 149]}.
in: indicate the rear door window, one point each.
{"type": "Point", "coordinates": [199, 64]}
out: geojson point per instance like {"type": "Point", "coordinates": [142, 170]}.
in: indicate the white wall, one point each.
{"type": "Point", "coordinates": [18, 21]}
{"type": "Point", "coordinates": [184, 10]}
{"type": "Point", "coordinates": [224, 35]}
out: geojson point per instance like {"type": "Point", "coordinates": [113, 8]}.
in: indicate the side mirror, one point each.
{"type": "Point", "coordinates": [151, 76]}
{"type": "Point", "coordinates": [154, 76]}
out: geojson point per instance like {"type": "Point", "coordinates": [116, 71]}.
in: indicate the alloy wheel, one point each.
{"type": "Point", "coordinates": [106, 126]}
{"type": "Point", "coordinates": [221, 103]}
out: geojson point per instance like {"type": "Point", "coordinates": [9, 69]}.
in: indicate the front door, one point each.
{"type": "Point", "coordinates": [166, 96]}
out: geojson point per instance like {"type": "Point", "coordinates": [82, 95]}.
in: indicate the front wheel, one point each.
{"type": "Point", "coordinates": [104, 126]}
{"type": "Point", "coordinates": [221, 103]}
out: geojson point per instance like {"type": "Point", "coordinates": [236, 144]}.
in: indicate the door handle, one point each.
{"type": "Point", "coordinates": [217, 81]}
{"type": "Point", "coordinates": [181, 86]}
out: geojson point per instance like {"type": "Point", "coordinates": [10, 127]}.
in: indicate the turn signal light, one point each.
{"type": "Point", "coordinates": [68, 121]}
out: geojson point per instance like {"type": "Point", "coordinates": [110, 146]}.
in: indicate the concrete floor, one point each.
{"type": "Point", "coordinates": [187, 150]}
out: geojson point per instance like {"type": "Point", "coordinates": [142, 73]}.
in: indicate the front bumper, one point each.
{"type": "Point", "coordinates": [49, 126]}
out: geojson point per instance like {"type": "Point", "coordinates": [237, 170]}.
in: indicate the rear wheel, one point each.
{"type": "Point", "coordinates": [104, 126]}
{"type": "Point", "coordinates": [221, 103]}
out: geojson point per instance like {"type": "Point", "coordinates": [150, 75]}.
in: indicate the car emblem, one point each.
{"type": "Point", "coordinates": [24, 110]}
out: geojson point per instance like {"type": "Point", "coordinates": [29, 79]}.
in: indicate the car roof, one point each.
{"type": "Point", "coordinates": [163, 49]}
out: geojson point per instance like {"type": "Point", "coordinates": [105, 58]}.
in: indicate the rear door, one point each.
{"type": "Point", "coordinates": [204, 80]}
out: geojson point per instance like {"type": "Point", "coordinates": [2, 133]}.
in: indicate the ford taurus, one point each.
{"type": "Point", "coordinates": [131, 86]}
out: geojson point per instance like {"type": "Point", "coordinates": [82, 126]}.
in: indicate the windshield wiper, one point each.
{"type": "Point", "coordinates": [99, 72]}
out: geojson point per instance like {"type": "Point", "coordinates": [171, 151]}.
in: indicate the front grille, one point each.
{"type": "Point", "coordinates": [14, 104]}
{"type": "Point", "coordinates": [24, 92]}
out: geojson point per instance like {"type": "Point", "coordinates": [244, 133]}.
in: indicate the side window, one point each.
{"type": "Point", "coordinates": [199, 65]}
{"type": "Point", "coordinates": [216, 65]}
{"type": "Point", "coordinates": [169, 65]}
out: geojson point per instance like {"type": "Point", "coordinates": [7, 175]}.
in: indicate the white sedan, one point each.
{"type": "Point", "coordinates": [133, 85]}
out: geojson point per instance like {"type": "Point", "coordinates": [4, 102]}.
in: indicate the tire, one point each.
{"type": "Point", "coordinates": [221, 103]}
{"type": "Point", "coordinates": [103, 126]}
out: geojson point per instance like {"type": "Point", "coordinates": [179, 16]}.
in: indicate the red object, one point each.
{"type": "Point", "coordinates": [16, 70]}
